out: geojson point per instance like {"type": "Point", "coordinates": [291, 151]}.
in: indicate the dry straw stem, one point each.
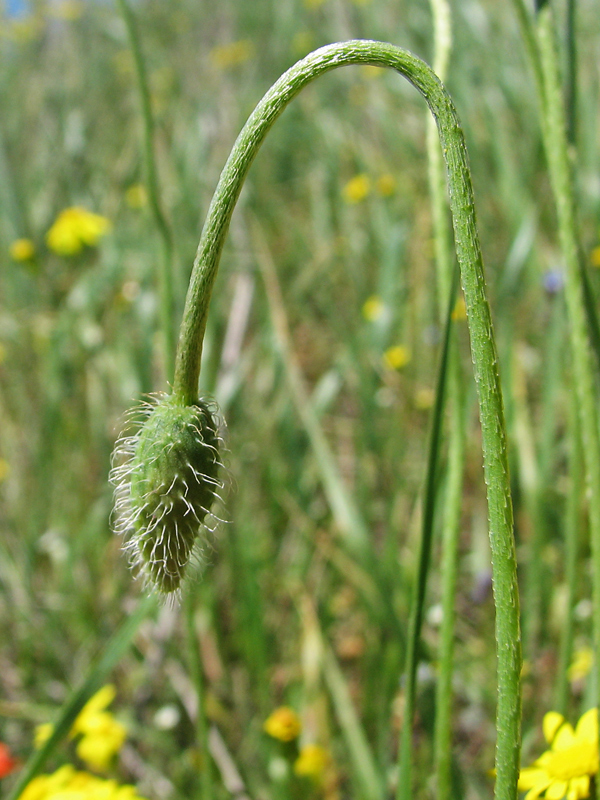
{"type": "Point", "coordinates": [479, 319]}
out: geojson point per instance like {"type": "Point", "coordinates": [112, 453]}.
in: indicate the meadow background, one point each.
{"type": "Point", "coordinates": [324, 301]}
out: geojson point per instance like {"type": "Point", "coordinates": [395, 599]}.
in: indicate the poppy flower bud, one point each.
{"type": "Point", "coordinates": [165, 489]}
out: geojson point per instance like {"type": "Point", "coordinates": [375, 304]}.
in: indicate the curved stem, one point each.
{"type": "Point", "coordinates": [480, 326]}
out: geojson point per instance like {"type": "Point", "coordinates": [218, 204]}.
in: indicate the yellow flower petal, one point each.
{"type": "Point", "coordinates": [579, 788]}
{"type": "Point", "coordinates": [75, 227]}
{"type": "Point", "coordinates": [97, 703]}
{"type": "Point", "coordinates": [552, 722]}
{"type": "Point", "coordinates": [587, 727]}
{"type": "Point", "coordinates": [564, 738]}
{"type": "Point", "coordinates": [557, 790]}
{"type": "Point", "coordinates": [531, 777]}
{"type": "Point", "coordinates": [536, 791]}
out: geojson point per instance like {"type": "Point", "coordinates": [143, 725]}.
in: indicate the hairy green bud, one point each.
{"type": "Point", "coordinates": [165, 488]}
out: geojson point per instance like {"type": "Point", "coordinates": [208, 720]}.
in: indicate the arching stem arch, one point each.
{"type": "Point", "coordinates": [483, 347]}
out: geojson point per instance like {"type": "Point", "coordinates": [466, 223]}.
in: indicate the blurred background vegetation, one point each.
{"type": "Point", "coordinates": [327, 277]}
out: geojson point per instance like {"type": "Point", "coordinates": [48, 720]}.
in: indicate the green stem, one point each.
{"type": "Point", "coordinates": [480, 326]}
{"type": "Point", "coordinates": [448, 572]}
{"type": "Point", "coordinates": [444, 261]}
{"type": "Point", "coordinates": [571, 80]}
{"type": "Point", "coordinates": [167, 303]}
{"type": "Point", "coordinates": [404, 791]}
{"type": "Point", "coordinates": [114, 650]}
{"type": "Point", "coordinates": [572, 528]}
{"type": "Point", "coordinates": [533, 50]}
{"type": "Point", "coordinates": [583, 372]}
{"type": "Point", "coordinates": [528, 32]}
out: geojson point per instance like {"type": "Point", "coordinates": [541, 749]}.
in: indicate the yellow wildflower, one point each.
{"type": "Point", "coordinates": [95, 705]}
{"type": "Point", "coordinates": [103, 738]}
{"type": "Point", "coordinates": [67, 784]}
{"type": "Point", "coordinates": [581, 665]}
{"type": "Point", "coordinates": [312, 761]}
{"type": "Point", "coordinates": [386, 184]}
{"type": "Point", "coordinates": [396, 357]}
{"type": "Point", "coordinates": [283, 724]}
{"type": "Point", "coordinates": [595, 257]}
{"type": "Point", "coordinates": [136, 196]}
{"type": "Point", "coordinates": [459, 312]}
{"type": "Point", "coordinates": [45, 786]}
{"type": "Point", "coordinates": [102, 734]}
{"type": "Point", "coordinates": [373, 308]}
{"type": "Point", "coordinates": [74, 228]}
{"type": "Point", "coordinates": [22, 250]}
{"type": "Point", "coordinates": [564, 771]}
{"type": "Point", "coordinates": [232, 54]}
{"type": "Point", "coordinates": [357, 188]}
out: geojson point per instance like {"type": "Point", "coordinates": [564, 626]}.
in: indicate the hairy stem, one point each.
{"type": "Point", "coordinates": [479, 319]}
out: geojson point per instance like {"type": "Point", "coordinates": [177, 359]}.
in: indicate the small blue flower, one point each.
{"type": "Point", "coordinates": [553, 281]}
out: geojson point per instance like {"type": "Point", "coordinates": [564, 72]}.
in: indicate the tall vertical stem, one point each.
{"type": "Point", "coordinates": [583, 372]}
{"type": "Point", "coordinates": [167, 300]}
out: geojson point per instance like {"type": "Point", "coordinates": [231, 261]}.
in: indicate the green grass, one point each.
{"type": "Point", "coordinates": [286, 611]}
